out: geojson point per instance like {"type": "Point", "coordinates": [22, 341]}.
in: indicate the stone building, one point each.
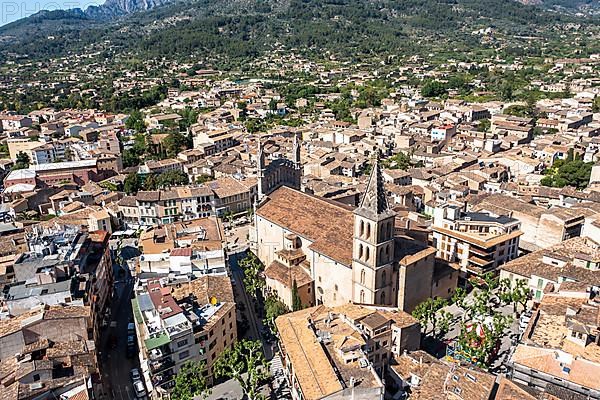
{"type": "Point", "coordinates": [279, 172]}
{"type": "Point", "coordinates": [340, 254]}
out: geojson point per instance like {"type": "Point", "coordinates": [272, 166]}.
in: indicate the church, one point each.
{"type": "Point", "coordinates": [335, 254]}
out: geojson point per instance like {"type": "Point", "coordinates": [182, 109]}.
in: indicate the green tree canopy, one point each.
{"type": "Point", "coordinates": [433, 89]}
{"type": "Point", "coordinates": [245, 363]}
{"type": "Point", "coordinates": [190, 382]}
{"type": "Point", "coordinates": [22, 161]}
{"type": "Point", "coordinates": [132, 183]}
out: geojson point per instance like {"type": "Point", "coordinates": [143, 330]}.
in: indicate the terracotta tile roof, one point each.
{"type": "Point", "coordinates": [443, 382]}
{"type": "Point", "coordinates": [508, 390]}
{"type": "Point", "coordinates": [328, 225]}
{"type": "Point", "coordinates": [581, 371]}
{"type": "Point", "coordinates": [287, 275]}
{"type": "Point", "coordinates": [315, 375]}
{"type": "Point", "coordinates": [533, 263]}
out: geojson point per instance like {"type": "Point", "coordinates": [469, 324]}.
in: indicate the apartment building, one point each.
{"type": "Point", "coordinates": [343, 352]}
{"type": "Point", "coordinates": [508, 125]}
{"type": "Point", "coordinates": [423, 377]}
{"type": "Point", "coordinates": [477, 242]}
{"type": "Point", "coordinates": [56, 173]}
{"type": "Point", "coordinates": [48, 353]}
{"type": "Point", "coordinates": [574, 261]}
{"type": "Point", "coordinates": [187, 247]}
{"type": "Point", "coordinates": [182, 203]}
{"type": "Point", "coordinates": [541, 226]}
{"type": "Point", "coordinates": [59, 254]}
{"type": "Point", "coordinates": [219, 139]}
{"type": "Point", "coordinates": [160, 166]}
{"type": "Point", "coordinates": [560, 348]}
{"type": "Point", "coordinates": [179, 320]}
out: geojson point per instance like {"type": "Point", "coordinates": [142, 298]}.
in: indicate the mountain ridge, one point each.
{"type": "Point", "coordinates": [246, 28]}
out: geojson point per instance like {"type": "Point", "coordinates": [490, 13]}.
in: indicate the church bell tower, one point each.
{"type": "Point", "coordinates": [373, 245]}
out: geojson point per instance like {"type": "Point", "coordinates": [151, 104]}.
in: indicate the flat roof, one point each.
{"type": "Point", "coordinates": [63, 165]}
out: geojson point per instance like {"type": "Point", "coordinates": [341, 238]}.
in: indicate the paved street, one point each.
{"type": "Point", "coordinates": [115, 364]}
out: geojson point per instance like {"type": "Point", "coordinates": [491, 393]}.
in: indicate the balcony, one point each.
{"type": "Point", "coordinates": [162, 378]}
{"type": "Point", "coordinates": [156, 366]}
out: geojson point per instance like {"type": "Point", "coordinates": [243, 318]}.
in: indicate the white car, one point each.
{"type": "Point", "coordinates": [140, 390]}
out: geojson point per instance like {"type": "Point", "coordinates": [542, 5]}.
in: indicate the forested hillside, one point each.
{"type": "Point", "coordinates": [239, 29]}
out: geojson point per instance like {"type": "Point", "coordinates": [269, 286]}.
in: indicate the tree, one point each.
{"type": "Point", "coordinates": [517, 295]}
{"type": "Point", "coordinates": [596, 104]}
{"type": "Point", "coordinates": [398, 161]}
{"type": "Point", "coordinates": [204, 178]}
{"type": "Point", "coordinates": [444, 323]}
{"type": "Point", "coordinates": [253, 280]}
{"type": "Point", "coordinates": [190, 382]}
{"type": "Point", "coordinates": [506, 91]}
{"type": "Point", "coordinates": [273, 309]}
{"type": "Point", "coordinates": [484, 125]}
{"type": "Point", "coordinates": [426, 312]}
{"type": "Point", "coordinates": [135, 121]}
{"type": "Point", "coordinates": [433, 89]}
{"type": "Point", "coordinates": [273, 105]}
{"type": "Point", "coordinates": [22, 161]}
{"type": "Point", "coordinates": [173, 177]}
{"type": "Point", "coordinates": [570, 172]}
{"type": "Point", "coordinates": [132, 183]}
{"type": "Point", "coordinates": [459, 297]}
{"type": "Point", "coordinates": [296, 300]}
{"type": "Point", "coordinates": [174, 143]}
{"type": "Point", "coordinates": [244, 362]}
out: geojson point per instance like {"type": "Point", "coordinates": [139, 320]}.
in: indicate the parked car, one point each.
{"type": "Point", "coordinates": [135, 374]}
{"type": "Point", "coordinates": [140, 390]}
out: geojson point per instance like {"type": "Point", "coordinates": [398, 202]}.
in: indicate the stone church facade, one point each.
{"type": "Point", "coordinates": [337, 254]}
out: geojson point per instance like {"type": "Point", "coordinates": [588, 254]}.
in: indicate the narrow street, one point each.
{"type": "Point", "coordinates": [254, 321]}
{"type": "Point", "coordinates": [115, 366]}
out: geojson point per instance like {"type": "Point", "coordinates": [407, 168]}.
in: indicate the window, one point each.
{"type": "Point", "coordinates": [36, 377]}
{"type": "Point", "coordinates": [368, 254]}
{"type": "Point", "coordinates": [383, 277]}
{"type": "Point", "coordinates": [368, 231]}
{"type": "Point", "coordinates": [184, 354]}
{"type": "Point", "coordinates": [362, 296]}
{"type": "Point", "coordinates": [362, 277]}
{"type": "Point", "coordinates": [382, 297]}
{"type": "Point", "coordinates": [362, 228]}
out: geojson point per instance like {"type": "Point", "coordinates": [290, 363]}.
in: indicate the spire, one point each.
{"type": "Point", "coordinates": [374, 202]}
{"type": "Point", "coordinates": [260, 169]}
{"type": "Point", "coordinates": [296, 151]}
{"type": "Point", "coordinates": [260, 155]}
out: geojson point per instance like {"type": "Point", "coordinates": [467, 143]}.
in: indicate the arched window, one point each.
{"type": "Point", "coordinates": [362, 296]}
{"type": "Point", "coordinates": [362, 277]}
{"type": "Point", "coordinates": [368, 230]}
{"type": "Point", "coordinates": [382, 297]}
{"type": "Point", "coordinates": [360, 251]}
{"type": "Point", "coordinates": [368, 254]}
{"type": "Point", "coordinates": [336, 288]}
{"type": "Point", "coordinates": [362, 228]}
{"type": "Point", "coordinates": [383, 277]}
{"type": "Point", "coordinates": [387, 253]}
